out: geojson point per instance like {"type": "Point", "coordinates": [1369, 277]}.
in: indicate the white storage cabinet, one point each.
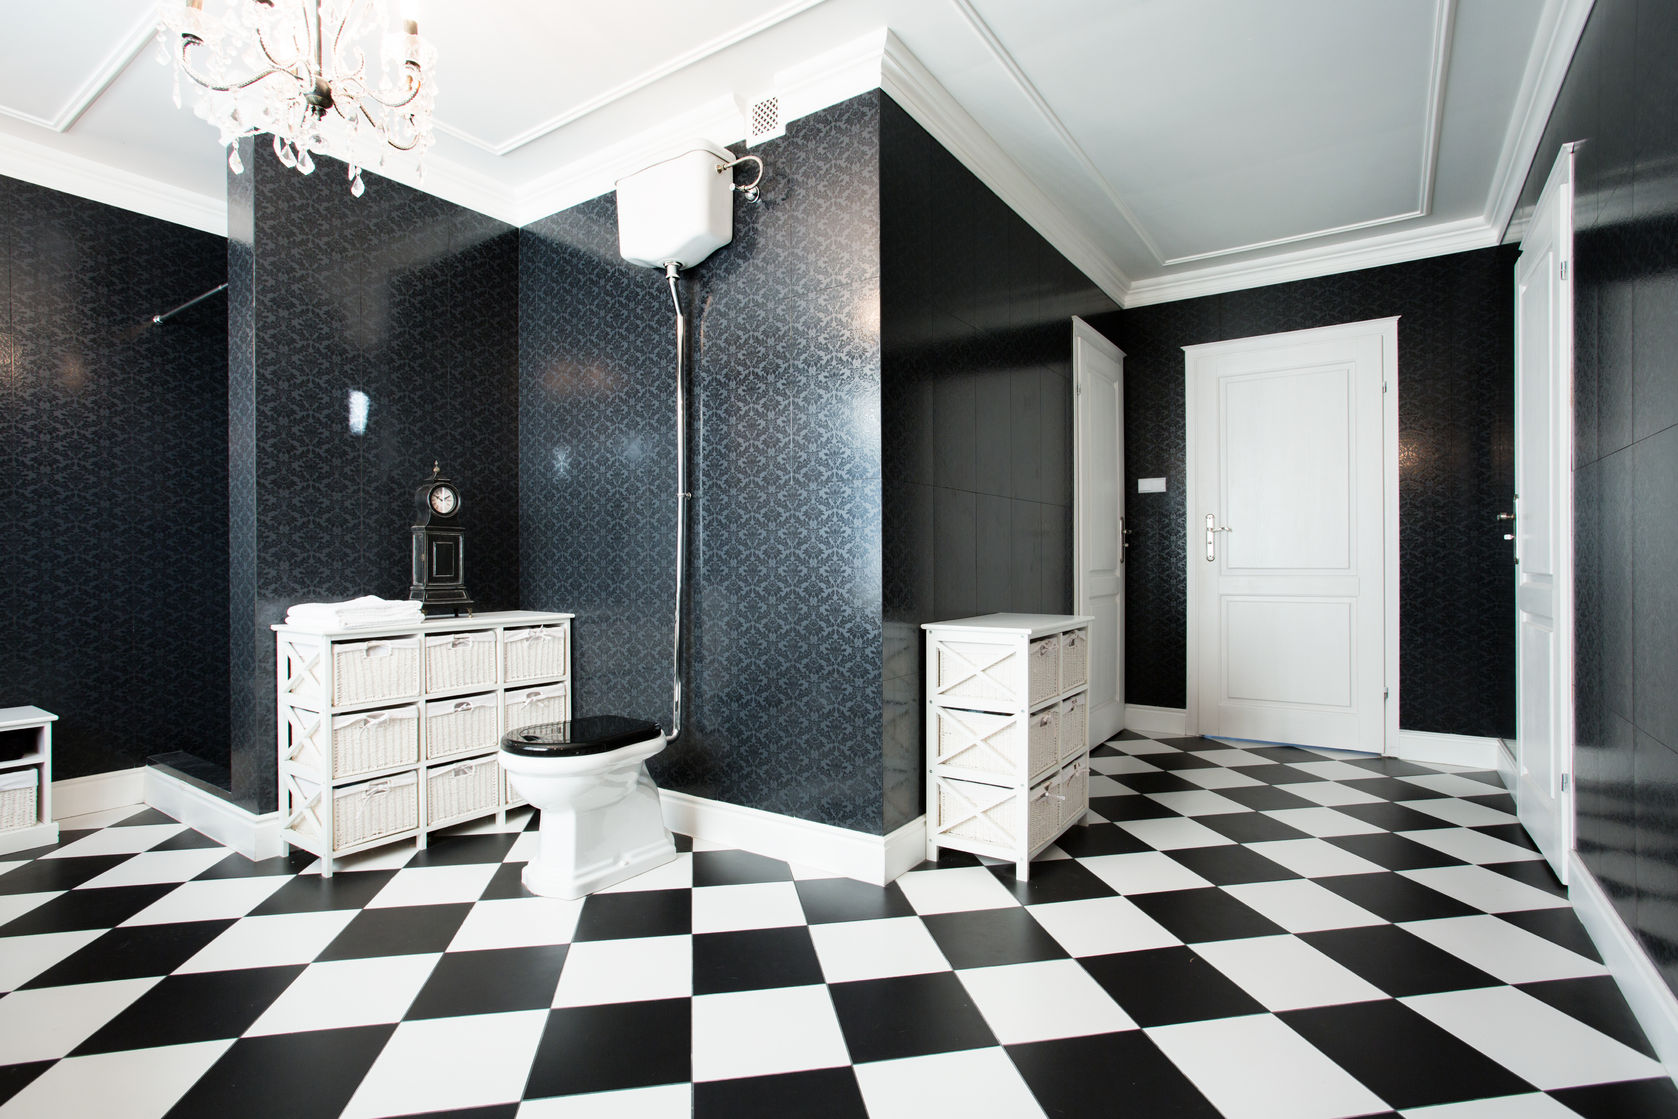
{"type": "Point", "coordinates": [1007, 733]}
{"type": "Point", "coordinates": [26, 779]}
{"type": "Point", "coordinates": [386, 734]}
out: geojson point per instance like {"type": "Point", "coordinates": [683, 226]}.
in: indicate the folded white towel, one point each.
{"type": "Point", "coordinates": [368, 610]}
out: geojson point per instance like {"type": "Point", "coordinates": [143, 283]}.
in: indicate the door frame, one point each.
{"type": "Point", "coordinates": [1084, 332]}
{"type": "Point", "coordinates": [1387, 329]}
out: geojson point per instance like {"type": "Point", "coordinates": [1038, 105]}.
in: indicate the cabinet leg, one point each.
{"type": "Point", "coordinates": [326, 866]}
{"type": "Point", "coordinates": [931, 851]}
{"type": "Point", "coordinates": [1022, 871]}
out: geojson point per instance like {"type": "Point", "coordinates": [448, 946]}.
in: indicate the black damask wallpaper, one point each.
{"type": "Point", "coordinates": [1455, 419]}
{"type": "Point", "coordinates": [111, 444]}
{"type": "Point", "coordinates": [1617, 102]}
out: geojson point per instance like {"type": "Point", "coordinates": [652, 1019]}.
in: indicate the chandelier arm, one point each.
{"type": "Point", "coordinates": [388, 141]}
{"type": "Point", "coordinates": [363, 92]}
{"type": "Point", "coordinates": [188, 41]}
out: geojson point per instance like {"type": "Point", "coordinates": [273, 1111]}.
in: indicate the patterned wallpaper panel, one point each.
{"type": "Point", "coordinates": [111, 443]}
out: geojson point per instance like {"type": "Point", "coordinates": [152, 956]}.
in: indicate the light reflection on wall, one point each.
{"type": "Point", "coordinates": [360, 406]}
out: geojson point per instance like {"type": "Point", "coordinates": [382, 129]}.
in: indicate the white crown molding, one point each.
{"type": "Point", "coordinates": [74, 174]}
{"type": "Point", "coordinates": [451, 182]}
{"type": "Point", "coordinates": [1559, 29]}
{"type": "Point", "coordinates": [97, 82]}
{"type": "Point", "coordinates": [1327, 260]}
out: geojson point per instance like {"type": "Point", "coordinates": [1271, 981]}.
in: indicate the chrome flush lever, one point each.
{"type": "Point", "coordinates": [1212, 530]}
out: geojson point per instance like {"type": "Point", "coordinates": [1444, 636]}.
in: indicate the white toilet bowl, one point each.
{"type": "Point", "coordinates": [600, 817]}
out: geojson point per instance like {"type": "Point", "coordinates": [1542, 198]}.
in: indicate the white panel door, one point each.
{"type": "Point", "coordinates": [1098, 534]}
{"type": "Point", "coordinates": [1543, 516]}
{"type": "Point", "coordinates": [1288, 535]}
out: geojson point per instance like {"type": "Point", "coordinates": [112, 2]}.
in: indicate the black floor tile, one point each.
{"type": "Point", "coordinates": [1250, 827]}
{"type": "Point", "coordinates": [1196, 916]}
{"type": "Point", "coordinates": [1182, 760]}
{"type": "Point", "coordinates": [1534, 872]}
{"type": "Point", "coordinates": [908, 1016]}
{"type": "Point", "coordinates": [1393, 817]}
{"type": "Point", "coordinates": [947, 859]}
{"type": "Point", "coordinates": [1397, 961]}
{"type": "Point", "coordinates": [1099, 839]}
{"type": "Point", "coordinates": [1132, 807]}
{"type": "Point", "coordinates": [132, 953]}
{"type": "Point", "coordinates": [1165, 986]}
{"type": "Point", "coordinates": [457, 850]}
{"type": "Point", "coordinates": [754, 958]}
{"type": "Point", "coordinates": [737, 868]}
{"type": "Point", "coordinates": [827, 1093]}
{"type": "Point", "coordinates": [402, 930]}
{"type": "Point", "coordinates": [1275, 775]}
{"type": "Point", "coordinates": [188, 840]}
{"type": "Point", "coordinates": [606, 1048]}
{"type": "Point", "coordinates": [144, 818]}
{"type": "Point", "coordinates": [1596, 1001]}
{"type": "Point", "coordinates": [506, 883]}
{"type": "Point", "coordinates": [236, 865]}
{"type": "Point", "coordinates": [1626, 1099]}
{"type": "Point", "coordinates": [1191, 742]}
{"type": "Point", "coordinates": [1108, 1074]}
{"type": "Point", "coordinates": [1159, 781]}
{"type": "Point", "coordinates": [15, 1078]}
{"type": "Point", "coordinates": [1231, 865]}
{"type": "Point", "coordinates": [827, 900]}
{"type": "Point", "coordinates": [1283, 754]}
{"type": "Point", "coordinates": [1266, 798]}
{"type": "Point", "coordinates": [1558, 926]}
{"type": "Point", "coordinates": [989, 937]}
{"type": "Point", "coordinates": [496, 1111]}
{"type": "Point", "coordinates": [285, 1075]}
{"type": "Point", "coordinates": [1390, 789]}
{"type": "Point", "coordinates": [1128, 736]}
{"type": "Point", "coordinates": [1391, 767]}
{"type": "Point", "coordinates": [490, 982]}
{"type": "Point", "coordinates": [1393, 897]}
{"type": "Point", "coordinates": [1394, 852]}
{"type": "Point", "coordinates": [1497, 802]}
{"type": "Point", "coordinates": [1053, 880]}
{"type": "Point", "coordinates": [203, 1006]}
{"type": "Point", "coordinates": [311, 893]}
{"type": "Point", "coordinates": [1509, 833]}
{"type": "Point", "coordinates": [636, 913]}
{"type": "Point", "coordinates": [43, 876]}
{"type": "Point", "coordinates": [1401, 1056]}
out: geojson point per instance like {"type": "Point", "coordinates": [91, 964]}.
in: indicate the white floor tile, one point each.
{"type": "Point", "coordinates": [677, 874]}
{"type": "Point", "coordinates": [118, 841]}
{"type": "Point", "coordinates": [1463, 813]}
{"type": "Point", "coordinates": [154, 867]}
{"type": "Point", "coordinates": [1322, 822]}
{"type": "Point", "coordinates": [1314, 858]}
{"type": "Point", "coordinates": [1485, 889]}
{"type": "Point", "coordinates": [22, 958]}
{"type": "Point", "coordinates": [1300, 905]}
{"type": "Point", "coordinates": [852, 950]}
{"type": "Point", "coordinates": [1334, 771]}
{"type": "Point", "coordinates": [132, 1084]}
{"type": "Point", "coordinates": [214, 899]}
{"type": "Point", "coordinates": [344, 993]}
{"type": "Point", "coordinates": [1506, 951]}
{"type": "Point", "coordinates": [516, 820]}
{"type": "Point", "coordinates": [1098, 926]}
{"type": "Point", "coordinates": [1113, 767]}
{"type": "Point", "coordinates": [524, 848]}
{"type": "Point", "coordinates": [1143, 872]}
{"type": "Point", "coordinates": [518, 923]}
{"type": "Point", "coordinates": [801, 873]}
{"type": "Point", "coordinates": [754, 905]}
{"type": "Point", "coordinates": [1040, 1001]}
{"type": "Point", "coordinates": [1233, 757]}
{"type": "Point", "coordinates": [1145, 746]}
{"type": "Point", "coordinates": [970, 1082]}
{"type": "Point", "coordinates": [1101, 786]}
{"type": "Point", "coordinates": [1174, 833]}
{"type": "Point", "coordinates": [1285, 973]}
{"type": "Point", "coordinates": [1255, 1067]}
{"type": "Point", "coordinates": [8, 865]}
{"type": "Point", "coordinates": [272, 941]}
{"type": "Point", "coordinates": [1532, 1105]}
{"type": "Point", "coordinates": [706, 845]}
{"type": "Point", "coordinates": [45, 1023]}
{"type": "Point", "coordinates": [1471, 846]}
{"type": "Point", "coordinates": [440, 1064]}
{"type": "Point", "coordinates": [760, 1033]}
{"type": "Point", "coordinates": [435, 885]}
{"type": "Point", "coordinates": [1452, 784]}
{"type": "Point", "coordinates": [101, 819]}
{"type": "Point", "coordinates": [393, 857]}
{"type": "Point", "coordinates": [954, 890]}
{"type": "Point", "coordinates": [13, 906]}
{"type": "Point", "coordinates": [1330, 793]}
{"type": "Point", "coordinates": [635, 970]}
{"type": "Point", "coordinates": [1219, 778]}
{"type": "Point", "coordinates": [666, 1101]}
{"type": "Point", "coordinates": [1198, 802]}
{"type": "Point", "coordinates": [1535, 1041]}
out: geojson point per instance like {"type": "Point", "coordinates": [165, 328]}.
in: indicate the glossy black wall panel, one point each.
{"type": "Point", "coordinates": [111, 432]}
{"type": "Point", "coordinates": [1455, 418]}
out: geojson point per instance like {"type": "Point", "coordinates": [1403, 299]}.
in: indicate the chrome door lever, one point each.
{"type": "Point", "coordinates": [1212, 530]}
{"type": "Point", "coordinates": [1507, 518]}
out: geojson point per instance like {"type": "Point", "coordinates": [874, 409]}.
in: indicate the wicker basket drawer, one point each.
{"type": "Point", "coordinates": [462, 789]}
{"type": "Point", "coordinates": [1008, 747]}
{"type": "Point", "coordinates": [1072, 788]}
{"type": "Point", "coordinates": [1044, 660]}
{"type": "Point", "coordinates": [459, 660]}
{"type": "Point", "coordinates": [370, 740]}
{"type": "Point", "coordinates": [1074, 659]}
{"type": "Point", "coordinates": [1074, 726]}
{"type": "Point", "coordinates": [528, 706]}
{"type": "Point", "coordinates": [370, 671]}
{"type": "Point", "coordinates": [18, 805]}
{"type": "Point", "coordinates": [997, 817]}
{"type": "Point", "coordinates": [460, 726]}
{"type": "Point", "coordinates": [361, 812]}
{"type": "Point", "coordinates": [536, 653]}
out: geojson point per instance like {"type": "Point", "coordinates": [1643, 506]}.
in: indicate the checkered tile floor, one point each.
{"type": "Point", "coordinates": [1242, 932]}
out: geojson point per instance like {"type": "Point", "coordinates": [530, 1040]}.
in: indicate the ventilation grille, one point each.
{"type": "Point", "coordinates": [763, 120]}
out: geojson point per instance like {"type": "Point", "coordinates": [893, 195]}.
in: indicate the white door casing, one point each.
{"type": "Point", "coordinates": [1098, 495]}
{"type": "Point", "coordinates": [1543, 521]}
{"type": "Point", "coordinates": [1292, 463]}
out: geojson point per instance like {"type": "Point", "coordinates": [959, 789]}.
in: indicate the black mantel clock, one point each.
{"type": "Point", "coordinates": [439, 548]}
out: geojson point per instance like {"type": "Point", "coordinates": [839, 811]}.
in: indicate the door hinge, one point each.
{"type": "Point", "coordinates": [1564, 269]}
{"type": "Point", "coordinates": [1386, 694]}
{"type": "Point", "coordinates": [1383, 388]}
{"type": "Point", "coordinates": [1564, 782]}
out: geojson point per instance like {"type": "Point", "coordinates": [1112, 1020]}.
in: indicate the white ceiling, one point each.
{"type": "Point", "coordinates": [1168, 147]}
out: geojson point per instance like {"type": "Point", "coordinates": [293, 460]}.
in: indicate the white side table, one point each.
{"type": "Point", "coordinates": [36, 763]}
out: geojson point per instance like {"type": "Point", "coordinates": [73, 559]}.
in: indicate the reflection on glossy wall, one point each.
{"type": "Point", "coordinates": [1618, 101]}
{"type": "Point", "coordinates": [111, 446]}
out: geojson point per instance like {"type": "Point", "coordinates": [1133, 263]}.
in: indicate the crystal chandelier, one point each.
{"type": "Point", "coordinates": [302, 70]}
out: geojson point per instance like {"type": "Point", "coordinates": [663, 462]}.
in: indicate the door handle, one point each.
{"type": "Point", "coordinates": [1212, 530]}
{"type": "Point", "coordinates": [1124, 539]}
{"type": "Point", "coordinates": [1509, 519]}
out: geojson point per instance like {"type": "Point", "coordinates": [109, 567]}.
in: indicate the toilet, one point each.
{"type": "Point", "coordinates": [600, 817]}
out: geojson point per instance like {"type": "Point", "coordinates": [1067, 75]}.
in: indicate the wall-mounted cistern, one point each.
{"type": "Point", "coordinates": [673, 215]}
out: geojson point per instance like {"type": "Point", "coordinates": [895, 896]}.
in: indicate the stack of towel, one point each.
{"type": "Point", "coordinates": [368, 610]}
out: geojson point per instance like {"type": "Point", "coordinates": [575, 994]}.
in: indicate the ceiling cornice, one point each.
{"type": "Point", "coordinates": [73, 174]}
{"type": "Point", "coordinates": [97, 82]}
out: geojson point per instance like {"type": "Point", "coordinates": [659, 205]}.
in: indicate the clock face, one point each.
{"type": "Point", "coordinates": [444, 500]}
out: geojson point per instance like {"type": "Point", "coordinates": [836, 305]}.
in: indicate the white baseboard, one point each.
{"type": "Point", "coordinates": [1650, 999]}
{"type": "Point", "coordinates": [1447, 749]}
{"type": "Point", "coordinates": [98, 792]}
{"type": "Point", "coordinates": [1506, 765]}
{"type": "Point", "coordinates": [253, 836]}
{"type": "Point", "coordinates": [1156, 720]}
{"type": "Point", "coordinates": [22, 839]}
{"type": "Point", "coordinates": [867, 858]}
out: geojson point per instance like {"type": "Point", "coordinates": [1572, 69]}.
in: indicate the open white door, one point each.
{"type": "Point", "coordinates": [1292, 523]}
{"type": "Point", "coordinates": [1098, 513]}
{"type": "Point", "coordinates": [1543, 521]}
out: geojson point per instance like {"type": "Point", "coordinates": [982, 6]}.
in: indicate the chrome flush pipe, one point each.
{"type": "Point", "coordinates": [671, 268]}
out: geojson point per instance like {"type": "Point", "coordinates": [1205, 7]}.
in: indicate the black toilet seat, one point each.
{"type": "Point", "coordinates": [591, 734]}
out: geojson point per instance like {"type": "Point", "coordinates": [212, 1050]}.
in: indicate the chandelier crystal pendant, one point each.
{"type": "Point", "coordinates": [303, 71]}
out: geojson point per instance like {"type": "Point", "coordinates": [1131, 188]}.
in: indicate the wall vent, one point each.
{"type": "Point", "coordinates": [763, 120]}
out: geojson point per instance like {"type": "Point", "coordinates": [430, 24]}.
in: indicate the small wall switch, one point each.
{"type": "Point", "coordinates": [1150, 485]}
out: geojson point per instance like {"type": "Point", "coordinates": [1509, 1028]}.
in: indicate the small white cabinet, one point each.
{"type": "Point", "coordinates": [26, 779]}
{"type": "Point", "coordinates": [387, 734]}
{"type": "Point", "coordinates": [1007, 733]}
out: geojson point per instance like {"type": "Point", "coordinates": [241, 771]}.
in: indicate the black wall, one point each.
{"type": "Point", "coordinates": [111, 444]}
{"type": "Point", "coordinates": [1618, 100]}
{"type": "Point", "coordinates": [1455, 430]}
{"type": "Point", "coordinates": [411, 300]}
{"type": "Point", "coordinates": [976, 405]}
